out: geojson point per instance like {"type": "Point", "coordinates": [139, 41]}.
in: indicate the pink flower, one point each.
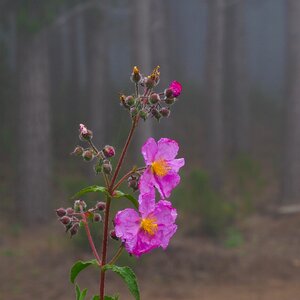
{"type": "Point", "coordinates": [150, 228]}
{"type": "Point", "coordinates": [162, 167]}
{"type": "Point", "coordinates": [176, 88]}
{"type": "Point", "coordinates": [83, 129]}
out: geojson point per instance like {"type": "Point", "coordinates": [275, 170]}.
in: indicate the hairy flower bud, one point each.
{"type": "Point", "coordinates": [135, 75]}
{"type": "Point", "coordinates": [129, 100]}
{"type": "Point", "coordinates": [109, 151]}
{"type": "Point", "coordinates": [133, 182]}
{"type": "Point", "coordinates": [143, 114]}
{"type": "Point", "coordinates": [70, 211]}
{"type": "Point", "coordinates": [113, 235]}
{"type": "Point", "coordinates": [60, 212]}
{"type": "Point", "coordinates": [154, 98]}
{"type": "Point", "coordinates": [165, 112]}
{"type": "Point", "coordinates": [101, 206]}
{"type": "Point", "coordinates": [170, 101]}
{"type": "Point", "coordinates": [156, 114]}
{"type": "Point", "coordinates": [78, 151]}
{"type": "Point", "coordinates": [84, 133]}
{"type": "Point", "coordinates": [88, 155]}
{"type": "Point", "coordinates": [168, 93]}
{"type": "Point", "coordinates": [133, 112]}
{"type": "Point", "coordinates": [74, 229]}
{"type": "Point", "coordinates": [65, 220]}
{"type": "Point", "coordinates": [79, 205]}
{"type": "Point", "coordinates": [107, 167]}
{"type": "Point", "coordinates": [97, 218]}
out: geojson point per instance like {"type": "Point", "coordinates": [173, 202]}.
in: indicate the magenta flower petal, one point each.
{"type": "Point", "coordinates": [149, 150]}
{"type": "Point", "coordinates": [147, 202]}
{"type": "Point", "coordinates": [166, 184]}
{"type": "Point", "coordinates": [176, 88]}
{"type": "Point", "coordinates": [145, 243]}
{"type": "Point", "coordinates": [127, 225]}
{"type": "Point", "coordinates": [176, 164]}
{"type": "Point", "coordinates": [146, 182]}
{"type": "Point", "coordinates": [166, 149]}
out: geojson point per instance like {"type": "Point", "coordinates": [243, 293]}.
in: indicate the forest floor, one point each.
{"type": "Point", "coordinates": [35, 264]}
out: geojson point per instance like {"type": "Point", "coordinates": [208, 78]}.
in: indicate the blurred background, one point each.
{"type": "Point", "coordinates": [65, 62]}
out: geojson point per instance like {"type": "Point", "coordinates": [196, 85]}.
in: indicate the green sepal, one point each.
{"type": "Point", "coordinates": [90, 189]}
{"type": "Point", "coordinates": [128, 276]}
{"type": "Point", "coordinates": [120, 194]}
{"type": "Point", "coordinates": [80, 295]}
{"type": "Point", "coordinates": [79, 266]}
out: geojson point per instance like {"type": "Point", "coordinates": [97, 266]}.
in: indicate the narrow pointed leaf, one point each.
{"type": "Point", "coordinates": [90, 189]}
{"type": "Point", "coordinates": [80, 295]}
{"type": "Point", "coordinates": [79, 266]}
{"type": "Point", "coordinates": [120, 194]}
{"type": "Point", "coordinates": [128, 276]}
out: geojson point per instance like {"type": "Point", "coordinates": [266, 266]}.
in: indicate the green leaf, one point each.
{"type": "Point", "coordinates": [79, 266]}
{"type": "Point", "coordinates": [106, 298]}
{"type": "Point", "coordinates": [129, 277]}
{"type": "Point", "coordinates": [90, 189]}
{"type": "Point", "coordinates": [120, 194]}
{"type": "Point", "coordinates": [96, 298]}
{"type": "Point", "coordinates": [80, 295]}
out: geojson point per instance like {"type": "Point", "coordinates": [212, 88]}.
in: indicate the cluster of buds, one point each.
{"type": "Point", "coordinates": [150, 104]}
{"type": "Point", "coordinates": [88, 154]}
{"type": "Point", "coordinates": [133, 181]}
{"type": "Point", "coordinates": [72, 218]}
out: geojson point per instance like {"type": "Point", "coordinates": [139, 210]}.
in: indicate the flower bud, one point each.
{"type": "Point", "coordinates": [79, 205]}
{"type": "Point", "coordinates": [101, 206]}
{"type": "Point", "coordinates": [78, 151]}
{"type": "Point", "coordinates": [107, 167]}
{"type": "Point", "coordinates": [74, 229]}
{"type": "Point", "coordinates": [129, 100]}
{"type": "Point", "coordinates": [113, 235]}
{"type": "Point", "coordinates": [143, 114]}
{"type": "Point", "coordinates": [70, 211]}
{"type": "Point", "coordinates": [136, 75]}
{"type": "Point", "coordinates": [108, 151]}
{"type": "Point", "coordinates": [122, 100]}
{"type": "Point", "coordinates": [97, 218]}
{"type": "Point", "coordinates": [60, 212]}
{"type": "Point", "coordinates": [154, 98]}
{"type": "Point", "coordinates": [165, 112]}
{"type": "Point", "coordinates": [168, 93]}
{"type": "Point", "coordinates": [88, 155]}
{"type": "Point", "coordinates": [149, 82]}
{"type": "Point", "coordinates": [133, 112]}
{"type": "Point", "coordinates": [84, 133]}
{"type": "Point", "coordinates": [170, 101]}
{"type": "Point", "coordinates": [133, 182]}
{"type": "Point", "coordinates": [65, 220]}
{"type": "Point", "coordinates": [156, 114]}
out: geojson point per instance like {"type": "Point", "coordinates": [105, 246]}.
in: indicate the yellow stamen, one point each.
{"type": "Point", "coordinates": [155, 73]}
{"type": "Point", "coordinates": [160, 167]}
{"type": "Point", "coordinates": [149, 225]}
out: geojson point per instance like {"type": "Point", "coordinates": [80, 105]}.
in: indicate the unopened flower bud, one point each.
{"type": "Point", "coordinates": [65, 220]}
{"type": "Point", "coordinates": [60, 212]}
{"type": "Point", "coordinates": [149, 82]}
{"type": "Point", "coordinates": [156, 114]}
{"type": "Point", "coordinates": [153, 79]}
{"type": "Point", "coordinates": [133, 182]}
{"type": "Point", "coordinates": [154, 98]}
{"type": "Point", "coordinates": [136, 75]}
{"type": "Point", "coordinates": [133, 112]}
{"type": "Point", "coordinates": [108, 151]}
{"type": "Point", "coordinates": [88, 155]}
{"type": "Point", "coordinates": [143, 114]}
{"type": "Point", "coordinates": [74, 229]}
{"type": "Point", "coordinates": [107, 167]}
{"type": "Point", "coordinates": [168, 93]}
{"type": "Point", "coordinates": [101, 206]}
{"type": "Point", "coordinates": [79, 205]}
{"type": "Point", "coordinates": [97, 218]}
{"type": "Point", "coordinates": [69, 211]}
{"type": "Point", "coordinates": [129, 100]}
{"type": "Point", "coordinates": [78, 151]}
{"type": "Point", "coordinates": [113, 235]}
{"type": "Point", "coordinates": [170, 101]}
{"type": "Point", "coordinates": [165, 112]}
{"type": "Point", "coordinates": [84, 133]}
{"type": "Point", "coordinates": [122, 100]}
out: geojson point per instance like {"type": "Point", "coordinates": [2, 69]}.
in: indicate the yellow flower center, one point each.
{"type": "Point", "coordinates": [136, 70]}
{"type": "Point", "coordinates": [160, 167]}
{"type": "Point", "coordinates": [149, 225]}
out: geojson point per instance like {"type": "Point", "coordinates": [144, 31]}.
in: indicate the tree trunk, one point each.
{"type": "Point", "coordinates": [214, 90]}
{"type": "Point", "coordinates": [291, 167]}
{"type": "Point", "coordinates": [34, 151]}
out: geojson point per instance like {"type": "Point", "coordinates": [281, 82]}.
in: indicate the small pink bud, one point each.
{"type": "Point", "coordinates": [74, 229]}
{"type": "Point", "coordinates": [84, 133]}
{"type": "Point", "coordinates": [101, 206]}
{"type": "Point", "coordinates": [61, 212]}
{"type": "Point", "coordinates": [108, 151]}
{"type": "Point", "coordinates": [107, 167]}
{"type": "Point", "coordinates": [154, 98]}
{"type": "Point", "coordinates": [88, 155]}
{"type": "Point", "coordinates": [165, 112]}
{"type": "Point", "coordinates": [78, 151]}
{"type": "Point", "coordinates": [65, 220]}
{"type": "Point", "coordinates": [69, 211]}
{"type": "Point", "coordinates": [97, 218]}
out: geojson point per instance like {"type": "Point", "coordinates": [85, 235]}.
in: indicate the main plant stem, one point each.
{"type": "Point", "coordinates": [107, 210]}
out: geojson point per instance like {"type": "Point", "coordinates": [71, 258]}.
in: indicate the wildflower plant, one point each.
{"type": "Point", "coordinates": [149, 224]}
